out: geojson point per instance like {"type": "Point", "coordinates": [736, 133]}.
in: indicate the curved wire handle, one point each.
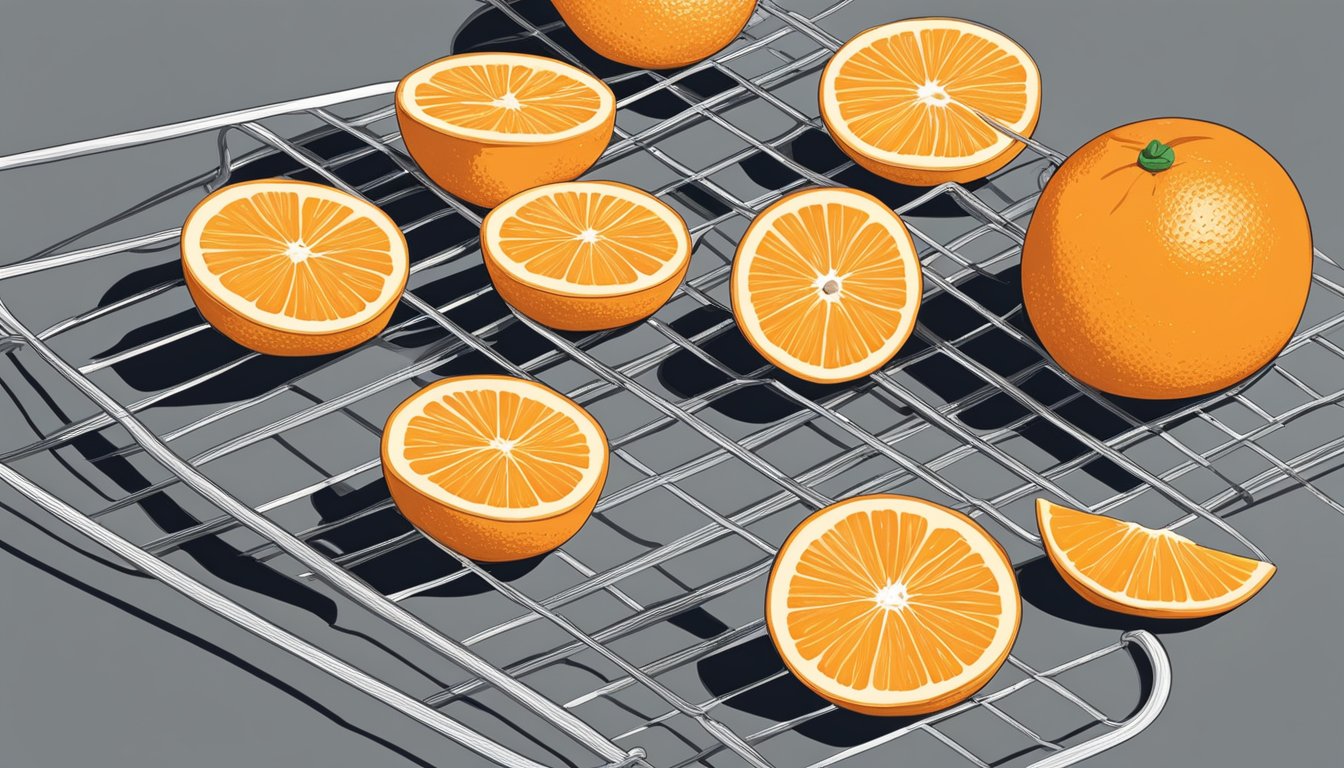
{"type": "Point", "coordinates": [1157, 658]}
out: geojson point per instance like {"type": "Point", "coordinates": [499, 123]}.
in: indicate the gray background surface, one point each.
{"type": "Point", "coordinates": [97, 667]}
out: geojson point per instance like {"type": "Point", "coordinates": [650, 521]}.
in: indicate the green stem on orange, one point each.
{"type": "Point", "coordinates": [1156, 157]}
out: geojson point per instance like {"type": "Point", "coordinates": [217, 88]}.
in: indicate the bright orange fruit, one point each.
{"type": "Point", "coordinates": [656, 34]}
{"type": "Point", "coordinates": [485, 126]}
{"type": "Point", "coordinates": [826, 284]}
{"type": "Point", "coordinates": [891, 605]}
{"type": "Point", "coordinates": [1124, 567]}
{"type": "Point", "coordinates": [292, 268]}
{"type": "Point", "coordinates": [494, 467]}
{"type": "Point", "coordinates": [1167, 258]}
{"type": "Point", "coordinates": [585, 255]}
{"type": "Point", "coordinates": [902, 100]}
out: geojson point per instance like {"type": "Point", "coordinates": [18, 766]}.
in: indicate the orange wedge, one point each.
{"type": "Point", "coordinates": [485, 126]}
{"type": "Point", "coordinates": [905, 100]}
{"type": "Point", "coordinates": [1125, 567]}
{"type": "Point", "coordinates": [292, 268]}
{"type": "Point", "coordinates": [493, 467]}
{"type": "Point", "coordinates": [891, 605]}
{"type": "Point", "coordinates": [585, 255]}
{"type": "Point", "coordinates": [826, 284]}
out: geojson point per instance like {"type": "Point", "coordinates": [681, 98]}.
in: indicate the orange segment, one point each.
{"type": "Point", "coordinates": [1125, 567]}
{"type": "Point", "coordinates": [585, 255]}
{"type": "Point", "coordinates": [486, 126]}
{"type": "Point", "coordinates": [892, 605]}
{"type": "Point", "coordinates": [826, 284]}
{"type": "Point", "coordinates": [902, 99]}
{"type": "Point", "coordinates": [494, 467]}
{"type": "Point", "coordinates": [292, 268]}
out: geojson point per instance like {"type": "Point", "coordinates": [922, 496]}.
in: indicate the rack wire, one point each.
{"type": "Point", "coordinates": [639, 642]}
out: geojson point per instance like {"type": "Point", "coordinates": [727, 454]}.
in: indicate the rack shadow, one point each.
{"type": "Point", "coordinates": [785, 698]}
{"type": "Point", "coordinates": [946, 319]}
{"type": "Point", "coordinates": [213, 554]}
{"type": "Point", "coordinates": [409, 565]}
{"type": "Point", "coordinates": [817, 152]}
{"type": "Point", "coordinates": [201, 643]}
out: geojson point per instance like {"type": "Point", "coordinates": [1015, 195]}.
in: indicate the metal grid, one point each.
{"type": "Point", "coordinates": [960, 416]}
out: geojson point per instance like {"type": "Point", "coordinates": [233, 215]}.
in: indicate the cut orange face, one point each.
{"type": "Point", "coordinates": [292, 268]}
{"type": "Point", "coordinates": [1125, 567]}
{"type": "Point", "coordinates": [485, 126]}
{"type": "Point", "coordinates": [891, 605]}
{"type": "Point", "coordinates": [902, 100]}
{"type": "Point", "coordinates": [494, 467]}
{"type": "Point", "coordinates": [585, 255]}
{"type": "Point", "coordinates": [826, 284]}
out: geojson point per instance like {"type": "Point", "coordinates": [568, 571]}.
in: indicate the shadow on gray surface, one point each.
{"type": "Point", "coordinates": [817, 152]}
{"type": "Point", "coordinates": [231, 566]}
{"type": "Point", "coordinates": [949, 319]}
{"type": "Point", "coordinates": [785, 698]}
{"type": "Point", "coordinates": [192, 638]}
{"type": "Point", "coordinates": [212, 553]}
{"type": "Point", "coordinates": [204, 351]}
{"type": "Point", "coordinates": [685, 375]}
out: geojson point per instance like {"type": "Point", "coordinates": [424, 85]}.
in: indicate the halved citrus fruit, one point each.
{"type": "Point", "coordinates": [826, 284]}
{"type": "Point", "coordinates": [485, 126]}
{"type": "Point", "coordinates": [892, 605]}
{"type": "Point", "coordinates": [905, 100]}
{"type": "Point", "coordinates": [493, 467]}
{"type": "Point", "coordinates": [1125, 567]}
{"type": "Point", "coordinates": [292, 268]}
{"type": "Point", "coordinates": [585, 255]}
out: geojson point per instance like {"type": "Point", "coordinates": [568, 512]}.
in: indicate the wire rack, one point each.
{"type": "Point", "coordinates": [641, 641]}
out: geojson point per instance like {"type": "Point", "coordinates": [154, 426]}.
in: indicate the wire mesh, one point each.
{"type": "Point", "coordinates": [640, 640]}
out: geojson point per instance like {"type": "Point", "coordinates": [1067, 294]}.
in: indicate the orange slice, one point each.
{"type": "Point", "coordinates": [585, 255]}
{"type": "Point", "coordinates": [891, 605]}
{"type": "Point", "coordinates": [1125, 567]}
{"type": "Point", "coordinates": [485, 126]}
{"type": "Point", "coordinates": [826, 284]}
{"type": "Point", "coordinates": [902, 100]}
{"type": "Point", "coordinates": [493, 467]}
{"type": "Point", "coordinates": [292, 268]}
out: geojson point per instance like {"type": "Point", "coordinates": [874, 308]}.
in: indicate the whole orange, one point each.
{"type": "Point", "coordinates": [1167, 258]}
{"type": "Point", "coordinates": [656, 34]}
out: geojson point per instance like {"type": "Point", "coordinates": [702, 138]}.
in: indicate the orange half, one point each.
{"type": "Point", "coordinates": [494, 467]}
{"type": "Point", "coordinates": [902, 100]}
{"type": "Point", "coordinates": [826, 284]}
{"type": "Point", "coordinates": [892, 605]}
{"type": "Point", "coordinates": [292, 268]}
{"type": "Point", "coordinates": [1125, 567]}
{"type": "Point", "coordinates": [585, 255]}
{"type": "Point", "coordinates": [486, 126]}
